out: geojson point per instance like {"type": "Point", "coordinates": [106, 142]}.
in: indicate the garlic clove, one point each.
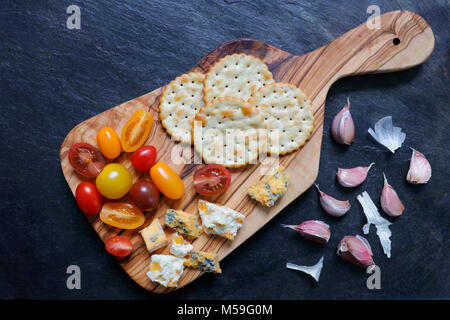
{"type": "Point", "coordinates": [352, 177]}
{"type": "Point", "coordinates": [419, 168]}
{"type": "Point", "coordinates": [342, 127]}
{"type": "Point", "coordinates": [332, 206]}
{"type": "Point", "coordinates": [356, 250]}
{"type": "Point", "coordinates": [314, 230]}
{"type": "Point", "coordinates": [313, 271]}
{"type": "Point", "coordinates": [390, 201]}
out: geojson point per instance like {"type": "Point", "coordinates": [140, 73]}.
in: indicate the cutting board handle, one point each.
{"type": "Point", "coordinates": [403, 40]}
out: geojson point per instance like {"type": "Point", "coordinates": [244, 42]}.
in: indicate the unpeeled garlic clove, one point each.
{"type": "Point", "coordinates": [314, 230]}
{"type": "Point", "coordinates": [390, 201]}
{"type": "Point", "coordinates": [332, 206]}
{"type": "Point", "coordinates": [419, 168]}
{"type": "Point", "coordinates": [356, 250]}
{"type": "Point", "coordinates": [352, 177]}
{"type": "Point", "coordinates": [342, 127]}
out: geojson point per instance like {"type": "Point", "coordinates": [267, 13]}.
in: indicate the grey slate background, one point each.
{"type": "Point", "coordinates": [52, 78]}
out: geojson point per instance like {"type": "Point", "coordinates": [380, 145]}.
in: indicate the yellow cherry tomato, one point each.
{"type": "Point", "coordinates": [136, 130]}
{"type": "Point", "coordinates": [122, 215]}
{"type": "Point", "coordinates": [109, 143]}
{"type": "Point", "coordinates": [167, 180]}
{"type": "Point", "coordinates": [114, 181]}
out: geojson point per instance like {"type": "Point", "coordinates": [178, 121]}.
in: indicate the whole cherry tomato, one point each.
{"type": "Point", "coordinates": [212, 179]}
{"type": "Point", "coordinates": [122, 215]}
{"type": "Point", "coordinates": [136, 130]}
{"type": "Point", "coordinates": [88, 198]}
{"type": "Point", "coordinates": [145, 195]}
{"type": "Point", "coordinates": [114, 181]}
{"type": "Point", "coordinates": [144, 158]}
{"type": "Point", "coordinates": [86, 159]}
{"type": "Point", "coordinates": [167, 180]}
{"type": "Point", "coordinates": [109, 143]}
{"type": "Point", "coordinates": [119, 246]}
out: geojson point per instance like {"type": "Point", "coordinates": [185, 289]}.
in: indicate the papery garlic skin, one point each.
{"type": "Point", "coordinates": [352, 177]}
{"type": "Point", "coordinates": [342, 127]}
{"type": "Point", "coordinates": [356, 250]}
{"type": "Point", "coordinates": [314, 230]}
{"type": "Point", "coordinates": [313, 271]}
{"type": "Point", "coordinates": [419, 168]}
{"type": "Point", "coordinates": [387, 135]}
{"type": "Point", "coordinates": [390, 201]}
{"type": "Point", "coordinates": [332, 206]}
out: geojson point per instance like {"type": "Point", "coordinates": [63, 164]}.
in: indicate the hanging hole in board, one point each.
{"type": "Point", "coordinates": [396, 41]}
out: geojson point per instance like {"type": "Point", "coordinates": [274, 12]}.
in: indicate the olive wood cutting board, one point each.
{"type": "Point", "coordinates": [404, 40]}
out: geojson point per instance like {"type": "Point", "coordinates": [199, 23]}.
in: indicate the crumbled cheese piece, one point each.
{"type": "Point", "coordinates": [220, 220]}
{"type": "Point", "coordinates": [154, 236]}
{"type": "Point", "coordinates": [180, 247]}
{"type": "Point", "coordinates": [206, 261]}
{"type": "Point", "coordinates": [183, 222]}
{"type": "Point", "coordinates": [165, 269]}
{"type": "Point", "coordinates": [270, 187]}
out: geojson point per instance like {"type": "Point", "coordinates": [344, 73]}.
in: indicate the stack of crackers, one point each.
{"type": "Point", "coordinates": [236, 112]}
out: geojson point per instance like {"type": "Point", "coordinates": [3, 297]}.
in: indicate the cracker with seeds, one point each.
{"type": "Point", "coordinates": [236, 75]}
{"type": "Point", "coordinates": [286, 108]}
{"type": "Point", "coordinates": [180, 100]}
{"type": "Point", "coordinates": [226, 132]}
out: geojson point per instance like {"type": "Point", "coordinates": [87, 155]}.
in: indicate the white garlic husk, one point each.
{"type": "Point", "coordinates": [386, 134]}
{"type": "Point", "coordinates": [342, 127]}
{"type": "Point", "coordinates": [419, 169]}
{"type": "Point", "coordinates": [313, 271]}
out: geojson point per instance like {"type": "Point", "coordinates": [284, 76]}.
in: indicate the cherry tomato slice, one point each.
{"type": "Point", "coordinates": [119, 246]}
{"type": "Point", "coordinates": [109, 143]}
{"type": "Point", "coordinates": [86, 159]}
{"type": "Point", "coordinates": [212, 179]}
{"type": "Point", "coordinates": [144, 158]}
{"type": "Point", "coordinates": [136, 130]}
{"type": "Point", "coordinates": [167, 180]}
{"type": "Point", "coordinates": [114, 181]}
{"type": "Point", "coordinates": [145, 195]}
{"type": "Point", "coordinates": [88, 198]}
{"type": "Point", "coordinates": [122, 215]}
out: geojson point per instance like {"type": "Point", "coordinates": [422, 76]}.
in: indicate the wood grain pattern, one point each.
{"type": "Point", "coordinates": [358, 51]}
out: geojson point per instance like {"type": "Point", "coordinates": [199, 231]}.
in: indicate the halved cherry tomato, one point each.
{"type": "Point", "coordinates": [119, 246]}
{"type": "Point", "coordinates": [144, 158]}
{"type": "Point", "coordinates": [86, 159]}
{"type": "Point", "coordinates": [211, 180]}
{"type": "Point", "coordinates": [145, 195]}
{"type": "Point", "coordinates": [114, 181]}
{"type": "Point", "coordinates": [122, 215]}
{"type": "Point", "coordinates": [88, 198]}
{"type": "Point", "coordinates": [167, 180]}
{"type": "Point", "coordinates": [136, 130]}
{"type": "Point", "coordinates": [109, 143]}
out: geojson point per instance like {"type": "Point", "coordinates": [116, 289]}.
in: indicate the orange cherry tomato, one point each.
{"type": "Point", "coordinates": [122, 215]}
{"type": "Point", "coordinates": [167, 180]}
{"type": "Point", "coordinates": [109, 143]}
{"type": "Point", "coordinates": [136, 130]}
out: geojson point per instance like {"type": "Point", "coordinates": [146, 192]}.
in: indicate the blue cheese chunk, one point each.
{"type": "Point", "coordinates": [270, 188]}
{"type": "Point", "coordinates": [165, 269]}
{"type": "Point", "coordinates": [183, 222]}
{"type": "Point", "coordinates": [205, 261]}
{"type": "Point", "coordinates": [180, 247]}
{"type": "Point", "coordinates": [154, 236]}
{"type": "Point", "coordinates": [220, 220]}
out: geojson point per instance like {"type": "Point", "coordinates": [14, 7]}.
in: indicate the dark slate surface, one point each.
{"type": "Point", "coordinates": [53, 78]}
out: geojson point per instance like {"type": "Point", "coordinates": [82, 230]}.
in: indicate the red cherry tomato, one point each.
{"type": "Point", "coordinates": [86, 159]}
{"type": "Point", "coordinates": [119, 246]}
{"type": "Point", "coordinates": [144, 158]}
{"type": "Point", "coordinates": [212, 179]}
{"type": "Point", "coordinates": [145, 195]}
{"type": "Point", "coordinates": [88, 198]}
